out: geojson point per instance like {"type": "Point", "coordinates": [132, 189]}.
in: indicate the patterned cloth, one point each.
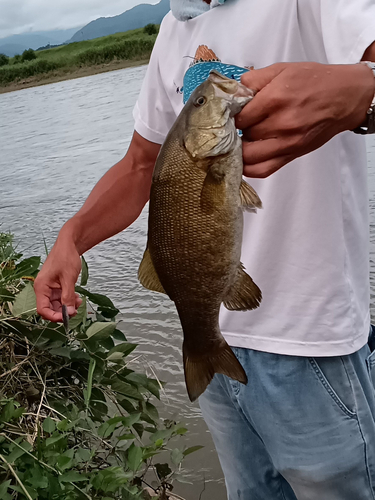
{"type": "Point", "coordinates": [183, 10]}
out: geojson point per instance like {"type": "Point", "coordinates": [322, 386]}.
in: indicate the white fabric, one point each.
{"type": "Point", "coordinates": [308, 248]}
{"type": "Point", "coordinates": [183, 10]}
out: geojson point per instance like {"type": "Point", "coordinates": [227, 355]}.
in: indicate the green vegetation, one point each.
{"type": "Point", "coordinates": [131, 45]}
{"type": "Point", "coordinates": [151, 29]}
{"type": "Point", "coordinates": [4, 60]}
{"type": "Point", "coordinates": [28, 55]}
{"type": "Point", "coordinates": [76, 422]}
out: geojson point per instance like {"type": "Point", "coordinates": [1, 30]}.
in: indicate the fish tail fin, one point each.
{"type": "Point", "coordinates": [199, 371]}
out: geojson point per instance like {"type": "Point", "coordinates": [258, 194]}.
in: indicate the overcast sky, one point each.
{"type": "Point", "coordinates": [20, 16]}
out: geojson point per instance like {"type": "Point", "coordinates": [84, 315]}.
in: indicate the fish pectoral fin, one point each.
{"type": "Point", "coordinates": [213, 191]}
{"type": "Point", "coordinates": [244, 294]}
{"type": "Point", "coordinates": [147, 274]}
{"type": "Point", "coordinates": [250, 201]}
{"type": "Point", "coordinates": [199, 371]}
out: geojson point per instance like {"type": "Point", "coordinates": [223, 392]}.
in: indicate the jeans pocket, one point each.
{"type": "Point", "coordinates": [333, 376]}
{"type": "Point", "coordinates": [370, 362]}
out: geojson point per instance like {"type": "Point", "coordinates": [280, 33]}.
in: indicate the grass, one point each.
{"type": "Point", "coordinates": [134, 45]}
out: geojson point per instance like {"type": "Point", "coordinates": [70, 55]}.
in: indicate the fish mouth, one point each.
{"type": "Point", "coordinates": [234, 92]}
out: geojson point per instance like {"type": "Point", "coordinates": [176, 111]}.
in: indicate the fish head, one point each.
{"type": "Point", "coordinates": [209, 116]}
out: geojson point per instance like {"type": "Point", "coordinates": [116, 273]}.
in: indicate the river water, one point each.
{"type": "Point", "coordinates": [56, 141]}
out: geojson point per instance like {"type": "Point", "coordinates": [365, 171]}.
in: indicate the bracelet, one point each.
{"type": "Point", "coordinates": [369, 126]}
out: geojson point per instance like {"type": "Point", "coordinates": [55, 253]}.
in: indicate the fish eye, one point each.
{"type": "Point", "coordinates": [200, 101]}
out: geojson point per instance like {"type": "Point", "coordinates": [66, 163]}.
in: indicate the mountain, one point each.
{"type": "Point", "coordinates": [16, 44]}
{"type": "Point", "coordinates": [137, 17]}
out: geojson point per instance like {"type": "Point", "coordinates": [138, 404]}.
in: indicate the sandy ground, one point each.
{"type": "Point", "coordinates": [60, 75]}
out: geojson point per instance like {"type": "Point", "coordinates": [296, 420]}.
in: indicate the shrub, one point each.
{"type": "Point", "coordinates": [4, 60]}
{"type": "Point", "coordinates": [75, 421]}
{"type": "Point", "coordinates": [150, 29]}
{"type": "Point", "coordinates": [128, 49]}
{"type": "Point", "coordinates": [17, 59]}
{"type": "Point", "coordinates": [28, 55]}
{"type": "Point", "coordinates": [13, 73]}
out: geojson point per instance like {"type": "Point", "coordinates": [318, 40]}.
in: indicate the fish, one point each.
{"type": "Point", "coordinates": [195, 227]}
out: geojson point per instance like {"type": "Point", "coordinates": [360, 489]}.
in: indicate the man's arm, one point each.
{"type": "Point", "coordinates": [114, 203]}
{"type": "Point", "coordinates": [300, 107]}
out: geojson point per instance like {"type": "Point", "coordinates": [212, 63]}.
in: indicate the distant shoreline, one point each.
{"type": "Point", "coordinates": [66, 74]}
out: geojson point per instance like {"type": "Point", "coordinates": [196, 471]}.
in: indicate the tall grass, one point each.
{"type": "Point", "coordinates": [131, 45]}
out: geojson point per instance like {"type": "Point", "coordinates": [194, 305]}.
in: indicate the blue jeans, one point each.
{"type": "Point", "coordinates": [302, 428]}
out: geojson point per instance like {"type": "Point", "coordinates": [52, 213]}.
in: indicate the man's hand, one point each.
{"type": "Point", "coordinates": [114, 203]}
{"type": "Point", "coordinates": [55, 283]}
{"type": "Point", "coordinates": [298, 108]}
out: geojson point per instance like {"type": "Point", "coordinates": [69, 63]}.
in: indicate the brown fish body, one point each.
{"type": "Point", "coordinates": [195, 234]}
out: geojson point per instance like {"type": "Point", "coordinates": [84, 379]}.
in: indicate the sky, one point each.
{"type": "Point", "coordinates": [24, 16]}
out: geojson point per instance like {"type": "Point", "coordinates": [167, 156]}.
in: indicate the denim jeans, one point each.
{"type": "Point", "coordinates": [301, 429]}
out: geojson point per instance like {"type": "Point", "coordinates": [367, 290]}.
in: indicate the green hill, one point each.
{"type": "Point", "coordinates": [129, 46]}
{"type": "Point", "coordinates": [137, 17]}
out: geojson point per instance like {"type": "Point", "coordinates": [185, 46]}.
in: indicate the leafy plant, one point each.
{"type": "Point", "coordinates": [150, 29]}
{"type": "Point", "coordinates": [4, 60]}
{"type": "Point", "coordinates": [28, 55]}
{"type": "Point", "coordinates": [75, 421]}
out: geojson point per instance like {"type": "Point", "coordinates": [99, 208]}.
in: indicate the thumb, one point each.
{"type": "Point", "coordinates": [68, 296]}
{"type": "Point", "coordinates": [257, 79]}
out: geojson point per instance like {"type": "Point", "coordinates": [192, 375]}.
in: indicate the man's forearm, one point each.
{"type": "Point", "coordinates": [117, 199]}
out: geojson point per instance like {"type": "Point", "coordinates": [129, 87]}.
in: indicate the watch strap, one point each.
{"type": "Point", "coordinates": [369, 126]}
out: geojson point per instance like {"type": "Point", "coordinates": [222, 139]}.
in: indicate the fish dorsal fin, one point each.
{"type": "Point", "coordinates": [147, 274]}
{"type": "Point", "coordinates": [244, 294]}
{"type": "Point", "coordinates": [249, 199]}
{"type": "Point", "coordinates": [213, 191]}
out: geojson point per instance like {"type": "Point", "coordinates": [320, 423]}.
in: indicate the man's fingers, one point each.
{"type": "Point", "coordinates": [44, 306]}
{"type": "Point", "coordinates": [254, 112]}
{"type": "Point", "coordinates": [262, 151]}
{"type": "Point", "coordinates": [258, 108]}
{"type": "Point", "coordinates": [68, 296]}
{"type": "Point", "coordinates": [257, 79]}
{"type": "Point", "coordinates": [78, 300]}
{"type": "Point", "coordinates": [265, 169]}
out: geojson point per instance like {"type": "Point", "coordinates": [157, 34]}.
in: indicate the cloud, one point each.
{"type": "Point", "coordinates": [20, 16]}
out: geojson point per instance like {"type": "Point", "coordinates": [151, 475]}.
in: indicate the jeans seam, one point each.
{"type": "Point", "coordinates": [282, 490]}
{"type": "Point", "coordinates": [351, 386]}
{"type": "Point", "coordinates": [329, 389]}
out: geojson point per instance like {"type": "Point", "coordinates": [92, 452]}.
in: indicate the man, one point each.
{"type": "Point", "coordinates": [304, 426]}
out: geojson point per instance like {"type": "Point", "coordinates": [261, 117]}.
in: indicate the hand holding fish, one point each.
{"type": "Point", "coordinates": [298, 108]}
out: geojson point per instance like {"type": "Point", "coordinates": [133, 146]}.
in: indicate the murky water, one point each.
{"type": "Point", "coordinates": [56, 141]}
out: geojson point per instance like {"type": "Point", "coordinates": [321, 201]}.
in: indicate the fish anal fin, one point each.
{"type": "Point", "coordinates": [199, 371]}
{"type": "Point", "coordinates": [147, 274]}
{"type": "Point", "coordinates": [244, 294]}
{"type": "Point", "coordinates": [213, 191]}
{"type": "Point", "coordinates": [249, 198]}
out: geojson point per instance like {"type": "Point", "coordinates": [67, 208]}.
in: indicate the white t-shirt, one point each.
{"type": "Point", "coordinates": [308, 248]}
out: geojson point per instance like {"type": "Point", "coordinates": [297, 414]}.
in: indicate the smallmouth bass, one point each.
{"type": "Point", "coordinates": [195, 227]}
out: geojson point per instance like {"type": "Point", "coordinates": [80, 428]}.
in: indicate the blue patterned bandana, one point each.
{"type": "Point", "coordinates": [183, 10]}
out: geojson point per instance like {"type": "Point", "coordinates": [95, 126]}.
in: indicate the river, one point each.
{"type": "Point", "coordinates": [56, 141]}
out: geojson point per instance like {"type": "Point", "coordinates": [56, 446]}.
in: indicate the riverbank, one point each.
{"type": "Point", "coordinates": [69, 74]}
{"type": "Point", "coordinates": [74, 60]}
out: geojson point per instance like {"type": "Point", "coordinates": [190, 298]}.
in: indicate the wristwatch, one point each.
{"type": "Point", "coordinates": [369, 126]}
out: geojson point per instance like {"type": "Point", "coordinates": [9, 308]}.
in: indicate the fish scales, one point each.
{"type": "Point", "coordinates": [195, 228]}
